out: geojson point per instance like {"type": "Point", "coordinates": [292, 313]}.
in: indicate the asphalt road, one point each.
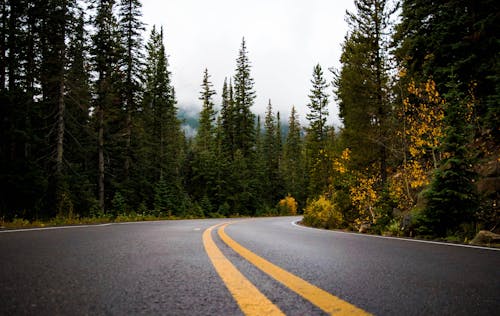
{"type": "Point", "coordinates": [164, 268]}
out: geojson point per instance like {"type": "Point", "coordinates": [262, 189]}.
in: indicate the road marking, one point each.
{"type": "Point", "coordinates": [295, 223]}
{"type": "Point", "coordinates": [250, 300]}
{"type": "Point", "coordinates": [322, 299]}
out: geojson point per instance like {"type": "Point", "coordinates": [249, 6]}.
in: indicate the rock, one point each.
{"type": "Point", "coordinates": [486, 238]}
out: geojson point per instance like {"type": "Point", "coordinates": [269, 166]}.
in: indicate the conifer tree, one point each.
{"type": "Point", "coordinates": [227, 126]}
{"type": "Point", "coordinates": [317, 164]}
{"type": "Point", "coordinates": [80, 147]}
{"type": "Point", "coordinates": [293, 160]}
{"type": "Point", "coordinates": [244, 96]}
{"type": "Point", "coordinates": [271, 153]}
{"type": "Point", "coordinates": [452, 197]}
{"type": "Point", "coordinates": [106, 53]}
{"type": "Point", "coordinates": [206, 129]}
{"type": "Point", "coordinates": [362, 85]}
{"type": "Point", "coordinates": [163, 136]}
{"type": "Point", "coordinates": [130, 27]}
{"type": "Point", "coordinates": [203, 181]}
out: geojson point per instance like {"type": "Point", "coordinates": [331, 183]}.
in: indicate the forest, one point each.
{"type": "Point", "coordinates": [90, 124]}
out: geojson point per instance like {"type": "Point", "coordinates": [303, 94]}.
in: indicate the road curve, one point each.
{"type": "Point", "coordinates": [164, 268]}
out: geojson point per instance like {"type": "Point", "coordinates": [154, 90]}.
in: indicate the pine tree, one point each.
{"type": "Point", "coordinates": [317, 134]}
{"type": "Point", "coordinates": [362, 85]}
{"type": "Point", "coordinates": [452, 198]}
{"type": "Point", "coordinates": [227, 120]}
{"type": "Point", "coordinates": [164, 138]}
{"type": "Point", "coordinates": [244, 96]}
{"type": "Point", "coordinates": [54, 87]}
{"type": "Point", "coordinates": [206, 129]}
{"type": "Point", "coordinates": [106, 53]}
{"type": "Point", "coordinates": [25, 161]}
{"type": "Point", "coordinates": [271, 153]}
{"type": "Point", "coordinates": [293, 160]}
{"type": "Point", "coordinates": [131, 27]}
{"type": "Point", "coordinates": [202, 183]}
{"type": "Point", "coordinates": [80, 141]}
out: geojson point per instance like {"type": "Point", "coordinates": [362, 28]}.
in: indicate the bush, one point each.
{"type": "Point", "coordinates": [118, 203]}
{"type": "Point", "coordinates": [322, 213]}
{"type": "Point", "coordinates": [287, 206]}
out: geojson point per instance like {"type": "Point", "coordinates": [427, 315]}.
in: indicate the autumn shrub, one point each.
{"type": "Point", "coordinates": [322, 213]}
{"type": "Point", "coordinates": [288, 206]}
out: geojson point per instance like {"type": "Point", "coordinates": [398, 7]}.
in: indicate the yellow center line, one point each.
{"type": "Point", "coordinates": [250, 300]}
{"type": "Point", "coordinates": [322, 299]}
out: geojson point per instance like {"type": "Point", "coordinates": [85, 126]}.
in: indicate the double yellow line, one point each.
{"type": "Point", "coordinates": [250, 300]}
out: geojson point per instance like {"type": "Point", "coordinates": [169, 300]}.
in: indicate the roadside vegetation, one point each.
{"type": "Point", "coordinates": [90, 128]}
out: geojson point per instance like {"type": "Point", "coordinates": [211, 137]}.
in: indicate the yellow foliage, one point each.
{"type": "Point", "coordinates": [408, 181]}
{"type": "Point", "coordinates": [321, 212]}
{"type": "Point", "coordinates": [340, 165]}
{"type": "Point", "coordinates": [364, 197]}
{"type": "Point", "coordinates": [288, 205]}
{"type": "Point", "coordinates": [423, 116]}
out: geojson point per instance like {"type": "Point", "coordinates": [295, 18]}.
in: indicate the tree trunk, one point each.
{"type": "Point", "coordinates": [61, 107]}
{"type": "Point", "coordinates": [128, 141]}
{"type": "Point", "coordinates": [3, 37]}
{"type": "Point", "coordinates": [101, 157]}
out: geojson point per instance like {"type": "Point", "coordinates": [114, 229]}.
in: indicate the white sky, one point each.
{"type": "Point", "coordinates": [285, 39]}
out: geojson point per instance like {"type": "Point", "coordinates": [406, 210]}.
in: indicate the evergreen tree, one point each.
{"type": "Point", "coordinates": [227, 120]}
{"type": "Point", "coordinates": [206, 129]}
{"type": "Point", "coordinates": [106, 54]}
{"type": "Point", "coordinates": [271, 153]}
{"type": "Point", "coordinates": [25, 163]}
{"type": "Point", "coordinates": [131, 27]}
{"type": "Point", "coordinates": [244, 96]}
{"type": "Point", "coordinates": [362, 85]}
{"type": "Point", "coordinates": [53, 72]}
{"type": "Point", "coordinates": [452, 198]}
{"type": "Point", "coordinates": [317, 134]}
{"type": "Point", "coordinates": [80, 140]}
{"type": "Point", "coordinates": [164, 139]}
{"type": "Point", "coordinates": [293, 160]}
{"type": "Point", "coordinates": [203, 181]}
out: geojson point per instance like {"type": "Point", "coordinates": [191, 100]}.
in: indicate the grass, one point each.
{"type": "Point", "coordinates": [18, 223]}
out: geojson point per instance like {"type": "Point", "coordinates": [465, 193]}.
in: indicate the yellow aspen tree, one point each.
{"type": "Point", "coordinates": [364, 196]}
{"type": "Point", "coordinates": [422, 115]}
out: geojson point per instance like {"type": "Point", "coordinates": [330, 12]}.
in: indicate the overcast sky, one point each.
{"type": "Point", "coordinates": [285, 39]}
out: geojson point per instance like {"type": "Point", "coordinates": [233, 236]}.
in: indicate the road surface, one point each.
{"type": "Point", "coordinates": [256, 266]}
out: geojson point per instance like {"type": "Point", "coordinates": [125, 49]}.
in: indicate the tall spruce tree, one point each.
{"type": "Point", "coordinates": [293, 171]}
{"type": "Point", "coordinates": [107, 57]}
{"type": "Point", "coordinates": [53, 73]}
{"type": "Point", "coordinates": [227, 126]}
{"type": "Point", "coordinates": [202, 184]}
{"type": "Point", "coordinates": [206, 129]}
{"type": "Point", "coordinates": [131, 28]}
{"type": "Point", "coordinates": [452, 197]}
{"type": "Point", "coordinates": [271, 152]}
{"type": "Point", "coordinates": [25, 159]}
{"type": "Point", "coordinates": [244, 96]}
{"type": "Point", "coordinates": [317, 164]}
{"type": "Point", "coordinates": [80, 148]}
{"type": "Point", "coordinates": [164, 136]}
{"type": "Point", "coordinates": [363, 84]}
